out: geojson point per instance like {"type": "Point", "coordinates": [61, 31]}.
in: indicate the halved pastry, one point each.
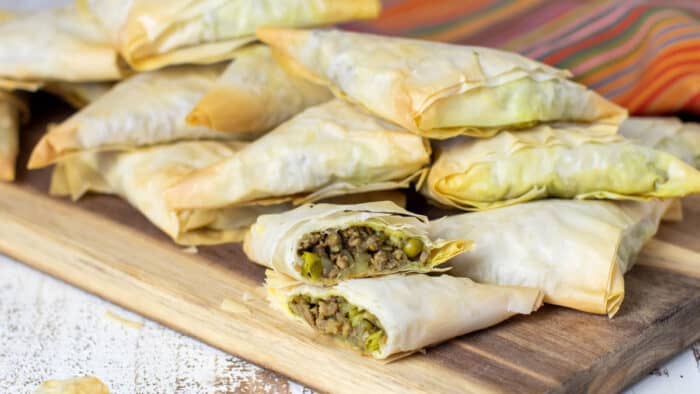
{"type": "Point", "coordinates": [681, 139]}
{"type": "Point", "coordinates": [380, 317]}
{"type": "Point", "coordinates": [12, 110]}
{"type": "Point", "coordinates": [145, 109]}
{"type": "Point", "coordinates": [331, 149]}
{"type": "Point", "coordinates": [140, 176]}
{"type": "Point", "coordinates": [56, 44]}
{"type": "Point", "coordinates": [255, 95]}
{"type": "Point", "coordinates": [439, 90]}
{"type": "Point", "coordinates": [561, 161]}
{"type": "Point", "coordinates": [576, 252]}
{"type": "Point", "coordinates": [326, 243]}
{"type": "Point", "coordinates": [207, 31]}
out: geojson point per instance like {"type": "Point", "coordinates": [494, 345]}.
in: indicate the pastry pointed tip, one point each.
{"type": "Point", "coordinates": [42, 155]}
{"type": "Point", "coordinates": [198, 118]}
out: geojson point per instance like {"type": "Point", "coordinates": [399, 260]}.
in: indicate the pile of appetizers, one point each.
{"type": "Point", "coordinates": [236, 120]}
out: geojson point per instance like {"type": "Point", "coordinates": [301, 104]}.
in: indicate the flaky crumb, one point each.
{"type": "Point", "coordinates": [190, 250]}
{"type": "Point", "coordinates": [247, 297]}
{"type": "Point", "coordinates": [233, 306]}
{"type": "Point", "coordinates": [80, 385]}
{"type": "Point", "coordinates": [122, 320]}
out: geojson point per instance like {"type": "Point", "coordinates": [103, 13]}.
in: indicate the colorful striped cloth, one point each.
{"type": "Point", "coordinates": [642, 54]}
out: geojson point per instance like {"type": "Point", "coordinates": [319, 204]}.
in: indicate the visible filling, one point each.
{"type": "Point", "coordinates": [335, 316]}
{"type": "Point", "coordinates": [357, 251]}
{"type": "Point", "coordinates": [518, 103]}
{"type": "Point", "coordinates": [619, 168]}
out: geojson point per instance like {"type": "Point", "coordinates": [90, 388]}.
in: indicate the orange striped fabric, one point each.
{"type": "Point", "coordinates": [642, 54]}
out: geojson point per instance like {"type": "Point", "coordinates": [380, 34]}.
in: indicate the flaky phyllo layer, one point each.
{"type": "Point", "coordinates": [140, 176]}
{"type": "Point", "coordinates": [576, 252]}
{"type": "Point", "coordinates": [326, 244]}
{"type": "Point", "coordinates": [150, 35]}
{"type": "Point", "coordinates": [398, 314]}
{"type": "Point", "coordinates": [56, 44]}
{"type": "Point", "coordinates": [144, 110]}
{"type": "Point", "coordinates": [665, 134]}
{"type": "Point", "coordinates": [555, 161]}
{"type": "Point", "coordinates": [328, 150]}
{"type": "Point", "coordinates": [262, 93]}
{"type": "Point", "coordinates": [439, 90]}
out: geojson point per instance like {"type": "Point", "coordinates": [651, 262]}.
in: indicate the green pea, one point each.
{"type": "Point", "coordinates": [313, 267]}
{"type": "Point", "coordinates": [345, 308]}
{"type": "Point", "coordinates": [413, 247]}
{"type": "Point", "coordinates": [356, 319]}
{"type": "Point", "coordinates": [373, 342]}
{"type": "Point", "coordinates": [361, 265]}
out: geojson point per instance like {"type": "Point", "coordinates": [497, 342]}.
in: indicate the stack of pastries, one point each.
{"type": "Point", "coordinates": [224, 121]}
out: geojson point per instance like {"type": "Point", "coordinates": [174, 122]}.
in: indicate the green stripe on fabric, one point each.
{"type": "Point", "coordinates": [442, 27]}
{"type": "Point", "coordinates": [610, 43]}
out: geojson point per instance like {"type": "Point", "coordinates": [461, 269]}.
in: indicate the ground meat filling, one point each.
{"type": "Point", "coordinates": [335, 316]}
{"type": "Point", "coordinates": [357, 251]}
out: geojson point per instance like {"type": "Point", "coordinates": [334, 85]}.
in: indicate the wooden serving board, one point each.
{"type": "Point", "coordinates": [104, 246]}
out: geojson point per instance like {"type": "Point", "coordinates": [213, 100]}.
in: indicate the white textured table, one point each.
{"type": "Point", "coordinates": [51, 330]}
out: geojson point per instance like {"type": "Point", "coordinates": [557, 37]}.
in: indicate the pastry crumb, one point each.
{"type": "Point", "coordinates": [190, 250]}
{"type": "Point", "coordinates": [79, 385]}
{"type": "Point", "coordinates": [247, 297]}
{"type": "Point", "coordinates": [122, 320]}
{"type": "Point", "coordinates": [233, 306]}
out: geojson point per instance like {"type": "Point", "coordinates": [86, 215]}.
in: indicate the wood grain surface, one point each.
{"type": "Point", "coordinates": [107, 248]}
{"type": "Point", "coordinates": [49, 330]}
